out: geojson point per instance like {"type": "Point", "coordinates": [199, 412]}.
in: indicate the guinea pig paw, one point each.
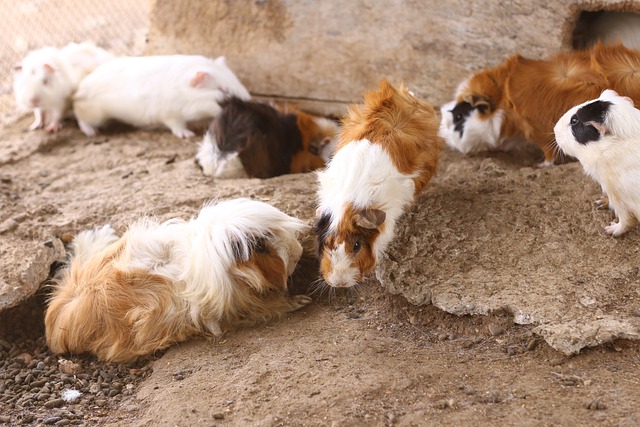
{"type": "Point", "coordinates": [545, 164]}
{"type": "Point", "coordinates": [183, 133]}
{"type": "Point", "coordinates": [614, 229]}
{"type": "Point", "coordinates": [35, 125]}
{"type": "Point", "coordinates": [602, 203]}
{"type": "Point", "coordinates": [299, 301]}
{"type": "Point", "coordinates": [53, 127]}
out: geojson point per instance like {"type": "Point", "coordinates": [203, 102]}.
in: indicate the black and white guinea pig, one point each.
{"type": "Point", "coordinates": [125, 297]}
{"type": "Point", "coordinates": [169, 90]}
{"type": "Point", "coordinates": [253, 139]}
{"type": "Point", "coordinates": [45, 80]}
{"type": "Point", "coordinates": [604, 135]}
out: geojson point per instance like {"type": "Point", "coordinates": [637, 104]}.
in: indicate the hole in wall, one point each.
{"type": "Point", "coordinates": [609, 27]}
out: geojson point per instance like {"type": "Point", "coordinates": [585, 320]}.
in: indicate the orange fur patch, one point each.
{"type": "Point", "coordinates": [313, 137]}
{"type": "Point", "coordinates": [534, 94]}
{"type": "Point", "coordinates": [621, 67]}
{"type": "Point", "coordinates": [404, 126]}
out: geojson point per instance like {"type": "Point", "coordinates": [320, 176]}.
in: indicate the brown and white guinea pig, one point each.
{"type": "Point", "coordinates": [387, 153]}
{"type": "Point", "coordinates": [252, 139]}
{"type": "Point", "coordinates": [604, 135]}
{"type": "Point", "coordinates": [145, 91]}
{"type": "Point", "coordinates": [520, 98]}
{"type": "Point", "coordinates": [160, 283]}
{"type": "Point", "coordinates": [46, 79]}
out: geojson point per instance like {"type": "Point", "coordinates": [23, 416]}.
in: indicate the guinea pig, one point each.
{"type": "Point", "coordinates": [604, 135]}
{"type": "Point", "coordinates": [387, 153]}
{"type": "Point", "coordinates": [520, 98]}
{"type": "Point", "coordinates": [170, 90]}
{"type": "Point", "coordinates": [252, 139]}
{"type": "Point", "coordinates": [46, 79]}
{"type": "Point", "coordinates": [160, 283]}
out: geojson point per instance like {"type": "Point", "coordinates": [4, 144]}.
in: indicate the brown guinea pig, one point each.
{"type": "Point", "coordinates": [252, 139]}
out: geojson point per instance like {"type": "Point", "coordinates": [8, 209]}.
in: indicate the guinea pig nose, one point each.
{"type": "Point", "coordinates": [35, 101]}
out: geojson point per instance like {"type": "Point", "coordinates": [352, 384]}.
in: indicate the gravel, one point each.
{"type": "Point", "coordinates": [34, 382]}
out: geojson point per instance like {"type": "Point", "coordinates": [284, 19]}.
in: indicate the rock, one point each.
{"type": "Point", "coordinates": [68, 367]}
{"type": "Point", "coordinates": [268, 40]}
{"type": "Point", "coordinates": [55, 403]}
{"type": "Point", "coordinates": [480, 260]}
{"type": "Point", "coordinates": [21, 278]}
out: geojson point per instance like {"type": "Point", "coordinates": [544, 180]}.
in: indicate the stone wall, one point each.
{"type": "Point", "coordinates": [331, 51]}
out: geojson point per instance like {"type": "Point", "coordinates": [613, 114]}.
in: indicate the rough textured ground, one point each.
{"type": "Point", "coordinates": [359, 357]}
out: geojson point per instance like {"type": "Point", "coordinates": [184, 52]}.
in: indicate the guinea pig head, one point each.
{"type": "Point", "coordinates": [587, 131]}
{"type": "Point", "coordinates": [471, 124]}
{"type": "Point", "coordinates": [346, 248]}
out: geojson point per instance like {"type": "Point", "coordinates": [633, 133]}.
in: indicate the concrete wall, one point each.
{"type": "Point", "coordinates": [333, 50]}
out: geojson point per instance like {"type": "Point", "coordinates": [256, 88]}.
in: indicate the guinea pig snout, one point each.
{"type": "Point", "coordinates": [35, 101]}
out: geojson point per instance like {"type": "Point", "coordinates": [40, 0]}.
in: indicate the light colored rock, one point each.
{"type": "Point", "coordinates": [333, 50]}
{"type": "Point", "coordinates": [525, 241]}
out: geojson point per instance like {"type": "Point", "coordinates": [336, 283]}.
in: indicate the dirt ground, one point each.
{"type": "Point", "coordinates": [354, 357]}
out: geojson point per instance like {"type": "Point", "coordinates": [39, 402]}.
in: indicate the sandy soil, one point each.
{"type": "Point", "coordinates": [357, 357]}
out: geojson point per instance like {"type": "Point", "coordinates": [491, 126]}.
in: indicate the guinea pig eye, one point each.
{"type": "Point", "coordinates": [45, 81]}
{"type": "Point", "coordinates": [457, 117]}
{"type": "Point", "coordinates": [356, 246]}
{"type": "Point", "coordinates": [574, 120]}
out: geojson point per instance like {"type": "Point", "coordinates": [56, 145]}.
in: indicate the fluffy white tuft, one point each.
{"type": "Point", "coordinates": [217, 164]}
{"type": "Point", "coordinates": [90, 242]}
{"type": "Point", "coordinates": [70, 395]}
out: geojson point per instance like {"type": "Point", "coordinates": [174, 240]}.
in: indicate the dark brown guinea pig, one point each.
{"type": "Point", "coordinates": [252, 139]}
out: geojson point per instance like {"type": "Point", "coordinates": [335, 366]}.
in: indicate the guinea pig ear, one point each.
{"type": "Point", "coordinates": [200, 78]}
{"type": "Point", "coordinates": [600, 127]}
{"type": "Point", "coordinates": [49, 68]}
{"type": "Point", "coordinates": [477, 101]}
{"type": "Point", "coordinates": [370, 218]}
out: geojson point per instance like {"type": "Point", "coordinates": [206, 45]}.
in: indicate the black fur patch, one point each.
{"type": "Point", "coordinates": [461, 113]}
{"type": "Point", "coordinates": [265, 139]}
{"type": "Point", "coordinates": [594, 112]}
{"type": "Point", "coordinates": [321, 230]}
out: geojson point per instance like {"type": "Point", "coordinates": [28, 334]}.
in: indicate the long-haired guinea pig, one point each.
{"type": "Point", "coordinates": [170, 90]}
{"type": "Point", "coordinates": [46, 79]}
{"type": "Point", "coordinates": [160, 283]}
{"type": "Point", "coordinates": [252, 139]}
{"type": "Point", "coordinates": [604, 135]}
{"type": "Point", "coordinates": [387, 153]}
{"type": "Point", "coordinates": [520, 98]}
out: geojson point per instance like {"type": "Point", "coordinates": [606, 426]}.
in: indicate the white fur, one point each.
{"type": "Point", "coordinates": [478, 134]}
{"type": "Point", "coordinates": [90, 242]}
{"type": "Point", "coordinates": [363, 174]}
{"type": "Point", "coordinates": [46, 79]}
{"type": "Point", "coordinates": [330, 144]}
{"type": "Point", "coordinates": [614, 160]}
{"type": "Point", "coordinates": [216, 163]}
{"type": "Point", "coordinates": [155, 90]}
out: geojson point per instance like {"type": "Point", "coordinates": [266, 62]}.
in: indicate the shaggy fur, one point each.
{"type": "Point", "coordinates": [388, 152]}
{"type": "Point", "coordinates": [160, 283]}
{"type": "Point", "coordinates": [604, 135]}
{"type": "Point", "coordinates": [255, 140]}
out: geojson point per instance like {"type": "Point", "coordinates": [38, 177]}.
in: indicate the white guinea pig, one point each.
{"type": "Point", "coordinates": [169, 90]}
{"type": "Point", "coordinates": [46, 78]}
{"type": "Point", "coordinates": [604, 135]}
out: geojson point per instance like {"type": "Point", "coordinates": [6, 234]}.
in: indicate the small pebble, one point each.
{"type": "Point", "coordinates": [55, 403]}
{"type": "Point", "coordinates": [5, 419]}
{"type": "Point", "coordinates": [51, 420]}
{"type": "Point", "coordinates": [443, 336]}
{"type": "Point", "coordinates": [636, 312]}
{"type": "Point", "coordinates": [532, 344]}
{"type": "Point", "coordinates": [595, 405]}
{"type": "Point", "coordinates": [218, 416]}
{"type": "Point", "coordinates": [496, 330]}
